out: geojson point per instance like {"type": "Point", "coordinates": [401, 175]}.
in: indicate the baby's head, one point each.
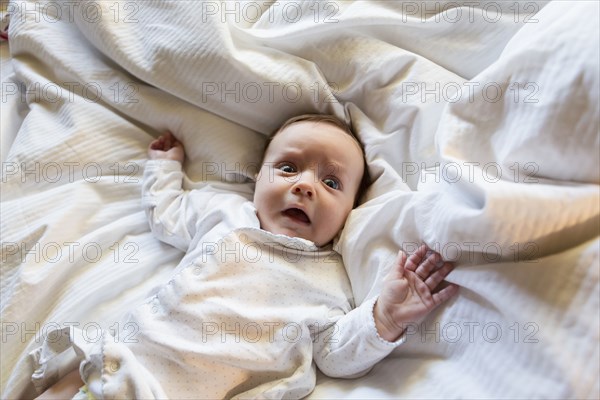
{"type": "Point", "coordinates": [312, 174]}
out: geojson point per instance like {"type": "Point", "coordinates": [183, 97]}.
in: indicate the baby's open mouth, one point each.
{"type": "Point", "coordinates": [297, 215]}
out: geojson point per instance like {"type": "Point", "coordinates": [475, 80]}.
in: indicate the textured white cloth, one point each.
{"type": "Point", "coordinates": [245, 314]}
{"type": "Point", "coordinates": [88, 89]}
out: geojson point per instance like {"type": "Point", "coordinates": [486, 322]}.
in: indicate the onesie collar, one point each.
{"type": "Point", "coordinates": [294, 243]}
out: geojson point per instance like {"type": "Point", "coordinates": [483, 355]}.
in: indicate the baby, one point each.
{"type": "Point", "coordinates": [260, 297]}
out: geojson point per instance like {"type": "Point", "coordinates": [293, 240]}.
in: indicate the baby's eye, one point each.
{"type": "Point", "coordinates": [287, 168]}
{"type": "Point", "coordinates": [332, 183]}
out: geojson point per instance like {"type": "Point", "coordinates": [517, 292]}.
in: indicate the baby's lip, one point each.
{"type": "Point", "coordinates": [297, 214]}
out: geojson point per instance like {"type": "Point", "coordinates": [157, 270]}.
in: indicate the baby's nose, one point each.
{"type": "Point", "coordinates": [303, 188]}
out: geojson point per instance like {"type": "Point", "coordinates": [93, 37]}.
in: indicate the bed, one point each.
{"type": "Point", "coordinates": [480, 127]}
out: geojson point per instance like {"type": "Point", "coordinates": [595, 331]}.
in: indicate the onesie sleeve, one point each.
{"type": "Point", "coordinates": [168, 207]}
{"type": "Point", "coordinates": [351, 346]}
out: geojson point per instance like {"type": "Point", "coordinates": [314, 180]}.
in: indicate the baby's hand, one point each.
{"type": "Point", "coordinates": [166, 147]}
{"type": "Point", "coordinates": [410, 292]}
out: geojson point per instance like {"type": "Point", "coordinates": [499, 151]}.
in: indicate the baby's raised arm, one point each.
{"type": "Point", "coordinates": [170, 214]}
{"type": "Point", "coordinates": [166, 147]}
{"type": "Point", "coordinates": [411, 291]}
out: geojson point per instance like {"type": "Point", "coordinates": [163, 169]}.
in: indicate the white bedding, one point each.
{"type": "Point", "coordinates": [100, 79]}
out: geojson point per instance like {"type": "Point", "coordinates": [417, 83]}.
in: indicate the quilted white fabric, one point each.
{"type": "Point", "coordinates": [506, 185]}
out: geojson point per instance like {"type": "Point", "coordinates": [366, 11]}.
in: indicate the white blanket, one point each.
{"type": "Point", "coordinates": [480, 125]}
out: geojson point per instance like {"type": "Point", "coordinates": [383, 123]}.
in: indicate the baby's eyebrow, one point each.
{"type": "Point", "coordinates": [289, 152]}
{"type": "Point", "coordinates": [337, 169]}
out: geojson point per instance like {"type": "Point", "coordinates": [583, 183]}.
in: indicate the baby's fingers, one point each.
{"type": "Point", "coordinates": [438, 276]}
{"type": "Point", "coordinates": [157, 144]}
{"type": "Point", "coordinates": [427, 267]}
{"type": "Point", "coordinates": [416, 258]}
{"type": "Point", "coordinates": [445, 294]}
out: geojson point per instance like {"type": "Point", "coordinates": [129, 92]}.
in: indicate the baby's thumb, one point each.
{"type": "Point", "coordinates": [398, 270]}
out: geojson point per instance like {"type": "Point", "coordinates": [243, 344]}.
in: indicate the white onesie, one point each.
{"type": "Point", "coordinates": [245, 315]}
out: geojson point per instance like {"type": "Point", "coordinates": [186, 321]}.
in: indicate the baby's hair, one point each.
{"type": "Point", "coordinates": [326, 118]}
{"type": "Point", "coordinates": [333, 120]}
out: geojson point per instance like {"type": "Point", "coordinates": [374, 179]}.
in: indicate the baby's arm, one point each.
{"type": "Point", "coordinates": [411, 291]}
{"type": "Point", "coordinates": [367, 334]}
{"type": "Point", "coordinates": [168, 208]}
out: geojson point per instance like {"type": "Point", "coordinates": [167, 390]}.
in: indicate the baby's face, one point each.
{"type": "Point", "coordinates": [308, 181]}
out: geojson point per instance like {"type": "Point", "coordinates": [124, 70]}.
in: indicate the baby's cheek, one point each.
{"type": "Point", "coordinates": [338, 220]}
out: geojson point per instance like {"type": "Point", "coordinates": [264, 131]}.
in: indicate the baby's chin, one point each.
{"type": "Point", "coordinates": [274, 228]}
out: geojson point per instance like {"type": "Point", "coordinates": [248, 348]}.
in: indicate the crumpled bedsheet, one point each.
{"type": "Point", "coordinates": [480, 127]}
